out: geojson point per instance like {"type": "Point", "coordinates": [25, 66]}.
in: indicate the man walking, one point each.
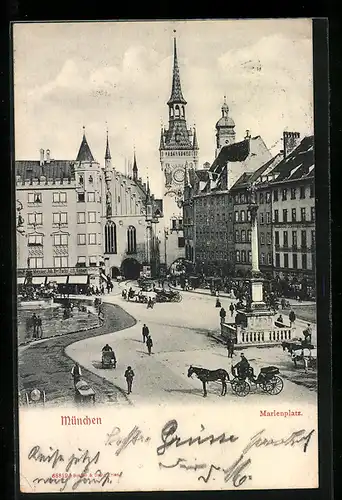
{"type": "Point", "coordinates": [307, 334]}
{"type": "Point", "coordinates": [145, 332]}
{"type": "Point", "coordinates": [230, 347]}
{"type": "Point", "coordinates": [34, 324]}
{"type": "Point", "coordinates": [76, 373]}
{"type": "Point", "coordinates": [149, 344]}
{"type": "Point", "coordinates": [39, 327]}
{"type": "Point", "coordinates": [129, 375]}
{"type": "Point", "coordinates": [292, 318]}
{"type": "Point", "coordinates": [231, 308]}
{"type": "Point", "coordinates": [222, 314]}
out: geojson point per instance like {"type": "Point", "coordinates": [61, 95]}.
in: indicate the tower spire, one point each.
{"type": "Point", "coordinates": [84, 153]}
{"type": "Point", "coordinates": [135, 168]}
{"type": "Point", "coordinates": [195, 142]}
{"type": "Point", "coordinates": [176, 91]}
{"type": "Point", "coordinates": [107, 154]}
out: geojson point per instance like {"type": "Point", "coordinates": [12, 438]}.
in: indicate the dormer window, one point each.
{"type": "Point", "coordinates": [91, 180]}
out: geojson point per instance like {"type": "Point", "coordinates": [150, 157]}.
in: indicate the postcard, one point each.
{"type": "Point", "coordinates": [166, 255]}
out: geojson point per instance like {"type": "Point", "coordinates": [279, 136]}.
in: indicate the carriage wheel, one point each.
{"type": "Point", "coordinates": [241, 388]}
{"type": "Point", "coordinates": [179, 298]}
{"type": "Point", "coordinates": [274, 386]}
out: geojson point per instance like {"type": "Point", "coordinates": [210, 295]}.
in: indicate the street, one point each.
{"type": "Point", "coordinates": [180, 333]}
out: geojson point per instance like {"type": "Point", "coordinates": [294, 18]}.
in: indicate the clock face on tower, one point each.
{"type": "Point", "coordinates": [178, 175]}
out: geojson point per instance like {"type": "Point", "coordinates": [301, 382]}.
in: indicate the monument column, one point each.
{"type": "Point", "coordinates": [257, 301]}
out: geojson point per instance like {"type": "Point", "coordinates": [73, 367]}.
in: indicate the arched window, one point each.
{"type": "Point", "coordinates": [242, 216]}
{"type": "Point", "coordinates": [243, 255]}
{"type": "Point", "coordinates": [131, 240]}
{"type": "Point", "coordinates": [110, 237]}
{"type": "Point", "coordinates": [237, 255]}
{"type": "Point", "coordinates": [177, 111]}
{"type": "Point", "coordinates": [243, 235]}
{"type": "Point", "coordinates": [183, 112]}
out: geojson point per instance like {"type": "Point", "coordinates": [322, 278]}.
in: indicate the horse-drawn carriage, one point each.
{"type": "Point", "coordinates": [168, 296]}
{"type": "Point", "coordinates": [268, 380]}
{"type": "Point", "coordinates": [108, 359]}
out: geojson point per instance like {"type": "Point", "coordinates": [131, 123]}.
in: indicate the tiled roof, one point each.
{"type": "Point", "coordinates": [84, 153]}
{"type": "Point", "coordinates": [243, 181]}
{"type": "Point", "coordinates": [299, 164]}
{"type": "Point", "coordinates": [55, 169]}
{"type": "Point", "coordinates": [233, 152]}
{"type": "Point", "coordinates": [177, 136]}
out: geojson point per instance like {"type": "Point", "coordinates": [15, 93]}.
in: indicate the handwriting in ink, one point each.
{"type": "Point", "coordinates": [297, 437]}
{"type": "Point", "coordinates": [134, 436]}
{"type": "Point", "coordinates": [169, 438]}
{"type": "Point", "coordinates": [83, 458]}
{"type": "Point", "coordinates": [53, 456]}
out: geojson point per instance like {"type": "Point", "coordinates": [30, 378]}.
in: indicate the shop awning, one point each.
{"type": "Point", "coordinates": [20, 280]}
{"type": "Point", "coordinates": [57, 279]}
{"type": "Point", "coordinates": [38, 280]}
{"type": "Point", "coordinates": [78, 280]}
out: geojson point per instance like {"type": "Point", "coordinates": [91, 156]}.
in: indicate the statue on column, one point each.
{"type": "Point", "coordinates": [108, 204]}
{"type": "Point", "coordinates": [168, 176]}
{"type": "Point", "coordinates": [252, 191]}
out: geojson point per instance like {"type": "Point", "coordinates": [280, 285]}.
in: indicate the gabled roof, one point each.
{"type": "Point", "coordinates": [233, 152]}
{"type": "Point", "coordinates": [84, 153]}
{"type": "Point", "coordinates": [299, 164]}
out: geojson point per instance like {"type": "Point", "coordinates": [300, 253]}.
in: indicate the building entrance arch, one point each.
{"type": "Point", "coordinates": [130, 268]}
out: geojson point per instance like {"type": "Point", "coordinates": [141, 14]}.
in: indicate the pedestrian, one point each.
{"type": "Point", "coordinates": [145, 332]}
{"type": "Point", "coordinates": [129, 375]}
{"type": "Point", "coordinates": [230, 347]}
{"type": "Point", "coordinates": [34, 325]}
{"type": "Point", "coordinates": [307, 334]}
{"type": "Point", "coordinates": [150, 303]}
{"type": "Point", "coordinates": [279, 323]}
{"type": "Point", "coordinates": [231, 308]}
{"type": "Point", "coordinates": [76, 373]}
{"type": "Point", "coordinates": [218, 303]}
{"type": "Point", "coordinates": [283, 303]}
{"type": "Point", "coordinates": [292, 317]}
{"type": "Point", "coordinates": [223, 314]}
{"type": "Point", "coordinates": [39, 327]}
{"type": "Point", "coordinates": [102, 290]}
{"type": "Point", "coordinates": [149, 344]}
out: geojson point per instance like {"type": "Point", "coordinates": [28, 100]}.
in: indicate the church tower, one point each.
{"type": "Point", "coordinates": [178, 146]}
{"type": "Point", "coordinates": [225, 129]}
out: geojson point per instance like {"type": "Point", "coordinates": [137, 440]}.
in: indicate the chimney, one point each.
{"type": "Point", "coordinates": [47, 156]}
{"type": "Point", "coordinates": [41, 160]}
{"type": "Point", "coordinates": [290, 142]}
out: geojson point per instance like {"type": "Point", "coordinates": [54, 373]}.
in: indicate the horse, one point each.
{"type": "Point", "coordinates": [210, 376]}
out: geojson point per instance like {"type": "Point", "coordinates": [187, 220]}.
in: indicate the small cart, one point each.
{"type": "Point", "coordinates": [108, 359]}
{"type": "Point", "coordinates": [84, 393]}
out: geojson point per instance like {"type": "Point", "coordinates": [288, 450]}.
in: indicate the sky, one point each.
{"type": "Point", "coordinates": [118, 75]}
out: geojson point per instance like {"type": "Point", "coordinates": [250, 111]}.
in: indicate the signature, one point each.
{"type": "Point", "coordinates": [134, 436]}
{"type": "Point", "coordinates": [298, 437]}
{"type": "Point", "coordinates": [169, 438]}
{"type": "Point", "coordinates": [235, 473]}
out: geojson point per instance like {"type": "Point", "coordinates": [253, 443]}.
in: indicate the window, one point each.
{"type": "Point", "coordinates": [230, 237]}
{"type": "Point", "coordinates": [313, 212]}
{"type": "Point", "coordinates": [262, 239]}
{"type": "Point", "coordinates": [284, 215]}
{"type": "Point", "coordinates": [80, 217]}
{"type": "Point", "coordinates": [60, 218]}
{"type": "Point", "coordinates": [34, 197]}
{"type": "Point", "coordinates": [249, 256]}
{"type": "Point", "coordinates": [276, 216]}
{"type": "Point", "coordinates": [110, 238]}
{"type": "Point", "coordinates": [131, 240]}
{"type": "Point", "coordinates": [237, 255]}
{"type": "Point", "coordinates": [276, 238]}
{"type": "Point", "coordinates": [91, 217]}
{"type": "Point", "coordinates": [242, 215]}
{"type": "Point", "coordinates": [302, 192]}
{"type": "Point", "coordinates": [91, 197]}
{"type": "Point", "coordinates": [180, 223]}
{"type": "Point", "coordinates": [261, 198]}
{"type": "Point", "coordinates": [268, 197]}
{"type": "Point", "coordinates": [92, 260]}
{"type": "Point", "coordinates": [174, 224]}
{"type": "Point", "coordinates": [80, 197]}
{"type": "Point", "coordinates": [293, 193]}
{"type": "Point", "coordinates": [284, 194]}
{"type": "Point", "coordinates": [81, 261]}
{"type": "Point", "coordinates": [269, 239]}
{"type": "Point", "coordinates": [285, 239]}
{"type": "Point", "coordinates": [236, 216]}
{"type": "Point", "coordinates": [59, 197]}
{"type": "Point", "coordinates": [294, 261]}
{"type": "Point", "coordinates": [313, 238]}
{"type": "Point", "coordinates": [312, 190]}
{"type": "Point", "coordinates": [35, 219]}
{"type": "Point", "coordinates": [275, 195]}
{"type": "Point", "coordinates": [181, 242]}
{"type": "Point", "coordinates": [249, 235]}
{"type": "Point", "coordinates": [262, 258]}
{"type": "Point", "coordinates": [81, 239]}
{"type": "Point", "coordinates": [286, 260]}
{"type": "Point", "coordinates": [91, 180]}
{"type": "Point", "coordinates": [268, 217]}
{"type": "Point", "coordinates": [60, 239]}
{"type": "Point", "coordinates": [60, 262]}
{"type": "Point", "coordinates": [303, 214]}
{"type": "Point", "coordinates": [236, 198]}
{"type": "Point", "coordinates": [294, 214]}
{"type": "Point", "coordinates": [35, 262]}
{"type": "Point", "coordinates": [294, 239]}
{"type": "Point", "coordinates": [269, 259]}
{"type": "Point", "coordinates": [304, 261]}
{"type": "Point", "coordinates": [249, 217]}
{"type": "Point", "coordinates": [261, 218]}
{"type": "Point", "coordinates": [243, 236]}
{"type": "Point", "coordinates": [35, 240]}
{"type": "Point", "coordinates": [237, 236]}
{"type": "Point", "coordinates": [277, 260]}
{"type": "Point", "coordinates": [230, 216]}
{"type": "Point", "coordinates": [303, 239]}
{"type": "Point", "coordinates": [92, 238]}
{"type": "Point", "coordinates": [243, 255]}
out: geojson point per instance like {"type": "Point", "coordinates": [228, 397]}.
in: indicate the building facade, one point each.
{"type": "Point", "coordinates": [178, 149]}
